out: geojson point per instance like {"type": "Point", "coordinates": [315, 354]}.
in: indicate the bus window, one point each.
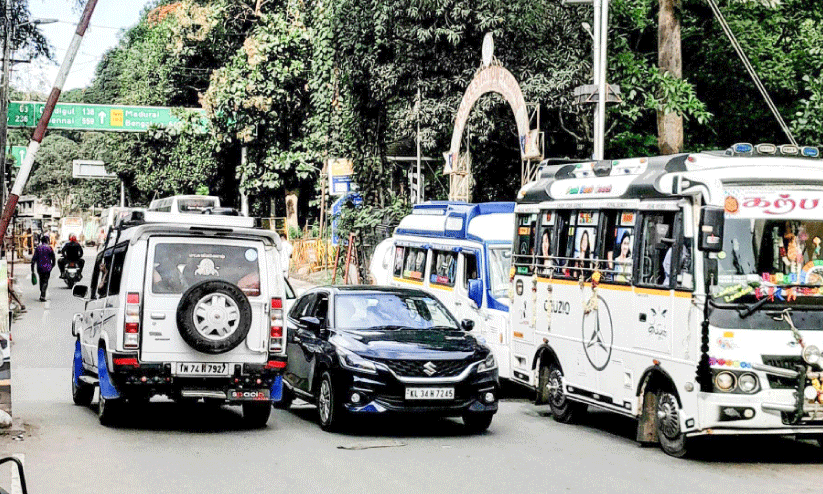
{"type": "Point", "coordinates": [564, 247]}
{"type": "Point", "coordinates": [525, 242]}
{"type": "Point", "coordinates": [576, 245]}
{"type": "Point", "coordinates": [444, 269]}
{"type": "Point", "coordinates": [469, 269]}
{"type": "Point", "coordinates": [657, 244]}
{"type": "Point", "coordinates": [414, 265]}
{"type": "Point", "coordinates": [398, 261]}
{"type": "Point", "coordinates": [544, 261]}
{"type": "Point", "coordinates": [618, 244]}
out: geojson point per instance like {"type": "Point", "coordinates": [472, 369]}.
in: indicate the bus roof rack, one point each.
{"type": "Point", "coordinates": [136, 218]}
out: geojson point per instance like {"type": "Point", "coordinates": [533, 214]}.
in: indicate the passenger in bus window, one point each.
{"type": "Point", "coordinates": [545, 263]}
{"type": "Point", "coordinates": [583, 255]}
{"type": "Point", "coordinates": [398, 262]}
{"type": "Point", "coordinates": [622, 257]}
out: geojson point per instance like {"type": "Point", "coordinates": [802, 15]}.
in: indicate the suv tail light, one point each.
{"type": "Point", "coordinates": [276, 333]}
{"type": "Point", "coordinates": [131, 338]}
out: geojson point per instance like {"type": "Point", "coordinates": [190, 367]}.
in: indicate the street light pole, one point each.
{"type": "Point", "coordinates": [4, 92]}
{"type": "Point", "coordinates": [600, 136]}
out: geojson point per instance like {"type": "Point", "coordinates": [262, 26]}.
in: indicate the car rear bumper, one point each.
{"type": "Point", "coordinates": [245, 383]}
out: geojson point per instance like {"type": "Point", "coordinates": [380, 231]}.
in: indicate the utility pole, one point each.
{"type": "Point", "coordinates": [4, 92]}
{"type": "Point", "coordinates": [244, 197]}
{"type": "Point", "coordinates": [669, 59]}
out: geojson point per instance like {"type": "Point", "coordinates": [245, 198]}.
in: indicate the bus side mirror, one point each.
{"type": "Point", "coordinates": [711, 229]}
{"type": "Point", "coordinates": [476, 292]}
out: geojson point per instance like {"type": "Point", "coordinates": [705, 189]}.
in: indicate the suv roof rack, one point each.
{"type": "Point", "coordinates": [136, 218]}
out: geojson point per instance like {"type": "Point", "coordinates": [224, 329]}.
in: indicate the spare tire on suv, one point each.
{"type": "Point", "coordinates": [214, 316]}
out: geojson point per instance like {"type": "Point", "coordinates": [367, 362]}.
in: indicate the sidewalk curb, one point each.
{"type": "Point", "coordinates": [16, 429]}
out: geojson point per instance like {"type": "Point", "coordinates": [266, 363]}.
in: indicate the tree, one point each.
{"type": "Point", "coordinates": [52, 176]}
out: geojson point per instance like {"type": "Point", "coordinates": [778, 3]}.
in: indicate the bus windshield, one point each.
{"type": "Point", "coordinates": [780, 259]}
{"type": "Point", "coordinates": [500, 262]}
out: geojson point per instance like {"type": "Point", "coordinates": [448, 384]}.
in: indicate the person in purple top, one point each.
{"type": "Point", "coordinates": [43, 260]}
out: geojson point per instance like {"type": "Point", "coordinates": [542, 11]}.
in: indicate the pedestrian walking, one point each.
{"type": "Point", "coordinates": [286, 250]}
{"type": "Point", "coordinates": [43, 260]}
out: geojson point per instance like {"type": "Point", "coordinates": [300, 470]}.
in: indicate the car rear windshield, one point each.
{"type": "Point", "coordinates": [374, 310]}
{"type": "Point", "coordinates": [177, 266]}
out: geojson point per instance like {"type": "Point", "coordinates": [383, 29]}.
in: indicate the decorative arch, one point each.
{"type": "Point", "coordinates": [493, 78]}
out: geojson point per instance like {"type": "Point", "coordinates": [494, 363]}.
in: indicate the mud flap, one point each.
{"type": "Point", "coordinates": [107, 389]}
{"type": "Point", "coordinates": [646, 429]}
{"type": "Point", "coordinates": [77, 364]}
{"type": "Point", "coordinates": [277, 389]}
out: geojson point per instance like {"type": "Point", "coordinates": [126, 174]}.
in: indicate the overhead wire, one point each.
{"type": "Point", "coordinates": [750, 69]}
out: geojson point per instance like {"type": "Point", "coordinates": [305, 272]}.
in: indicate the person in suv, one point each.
{"type": "Point", "coordinates": [186, 307]}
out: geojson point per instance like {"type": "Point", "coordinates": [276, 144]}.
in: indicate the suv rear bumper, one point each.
{"type": "Point", "coordinates": [247, 381]}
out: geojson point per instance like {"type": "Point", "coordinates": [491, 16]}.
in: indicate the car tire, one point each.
{"type": "Point", "coordinates": [109, 411]}
{"type": "Point", "coordinates": [81, 393]}
{"type": "Point", "coordinates": [477, 422]}
{"type": "Point", "coordinates": [256, 415]}
{"type": "Point", "coordinates": [214, 316]}
{"type": "Point", "coordinates": [330, 413]}
{"type": "Point", "coordinates": [563, 409]}
{"type": "Point", "coordinates": [286, 399]}
{"type": "Point", "coordinates": [667, 424]}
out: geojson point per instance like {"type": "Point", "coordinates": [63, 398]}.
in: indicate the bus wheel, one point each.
{"type": "Point", "coordinates": [564, 410]}
{"type": "Point", "coordinates": [667, 422]}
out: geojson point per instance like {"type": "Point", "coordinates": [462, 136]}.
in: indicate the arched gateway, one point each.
{"type": "Point", "coordinates": [491, 77]}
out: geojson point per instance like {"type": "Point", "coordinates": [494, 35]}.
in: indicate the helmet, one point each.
{"type": "Point", "coordinates": [72, 238]}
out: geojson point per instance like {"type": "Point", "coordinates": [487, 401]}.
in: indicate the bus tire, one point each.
{"type": "Point", "coordinates": [563, 409]}
{"type": "Point", "coordinates": [667, 423]}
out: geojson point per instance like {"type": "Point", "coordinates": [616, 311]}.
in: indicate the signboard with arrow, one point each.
{"type": "Point", "coordinates": [81, 116]}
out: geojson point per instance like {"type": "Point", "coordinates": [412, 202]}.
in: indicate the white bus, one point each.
{"type": "Point", "coordinates": [611, 265]}
{"type": "Point", "coordinates": [184, 204]}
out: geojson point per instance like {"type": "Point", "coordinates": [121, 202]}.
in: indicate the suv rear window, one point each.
{"type": "Point", "coordinates": [179, 266]}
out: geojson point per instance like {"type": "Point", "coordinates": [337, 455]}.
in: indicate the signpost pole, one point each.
{"type": "Point", "coordinates": [40, 131]}
{"type": "Point", "coordinates": [4, 87]}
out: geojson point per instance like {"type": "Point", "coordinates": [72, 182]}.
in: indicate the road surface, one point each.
{"type": "Point", "coordinates": [166, 448]}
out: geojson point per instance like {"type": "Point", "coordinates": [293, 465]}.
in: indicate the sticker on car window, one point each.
{"type": "Point", "coordinates": [251, 255]}
{"type": "Point", "coordinates": [206, 268]}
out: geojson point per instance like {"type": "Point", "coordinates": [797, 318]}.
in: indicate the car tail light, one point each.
{"type": "Point", "coordinates": [131, 338]}
{"type": "Point", "coordinates": [276, 333]}
{"type": "Point", "coordinates": [125, 361]}
{"type": "Point", "coordinates": [275, 364]}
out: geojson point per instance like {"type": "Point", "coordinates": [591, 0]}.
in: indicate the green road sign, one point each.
{"type": "Point", "coordinates": [19, 153]}
{"type": "Point", "coordinates": [106, 118]}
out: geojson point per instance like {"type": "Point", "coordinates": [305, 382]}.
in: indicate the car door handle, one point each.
{"type": "Point", "coordinates": [158, 315]}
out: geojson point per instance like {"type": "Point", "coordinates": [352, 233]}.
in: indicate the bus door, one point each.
{"type": "Point", "coordinates": [469, 269]}
{"type": "Point", "coordinates": [659, 253]}
{"type": "Point", "coordinates": [523, 307]}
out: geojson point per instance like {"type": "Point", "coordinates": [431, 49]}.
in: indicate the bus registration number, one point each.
{"type": "Point", "coordinates": [429, 393]}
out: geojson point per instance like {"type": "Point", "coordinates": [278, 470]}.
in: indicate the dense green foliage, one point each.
{"type": "Point", "coordinates": [299, 81]}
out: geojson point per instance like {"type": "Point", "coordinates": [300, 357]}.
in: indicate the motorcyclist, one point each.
{"type": "Point", "coordinates": [71, 252]}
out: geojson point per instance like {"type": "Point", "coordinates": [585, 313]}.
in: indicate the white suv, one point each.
{"type": "Point", "coordinates": [185, 306]}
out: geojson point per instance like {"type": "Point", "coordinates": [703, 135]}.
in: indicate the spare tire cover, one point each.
{"type": "Point", "coordinates": [214, 316]}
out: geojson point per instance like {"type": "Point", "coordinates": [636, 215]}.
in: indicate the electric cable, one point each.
{"type": "Point", "coordinates": [750, 69]}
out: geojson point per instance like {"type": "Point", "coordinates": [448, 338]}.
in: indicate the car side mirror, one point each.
{"type": "Point", "coordinates": [476, 292]}
{"type": "Point", "coordinates": [467, 325]}
{"type": "Point", "coordinates": [312, 323]}
{"type": "Point", "coordinates": [712, 220]}
{"type": "Point", "coordinates": [80, 291]}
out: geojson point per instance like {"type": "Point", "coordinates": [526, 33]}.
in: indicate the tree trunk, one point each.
{"type": "Point", "coordinates": [669, 125]}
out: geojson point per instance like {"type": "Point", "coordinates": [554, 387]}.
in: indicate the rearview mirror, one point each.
{"type": "Point", "coordinates": [467, 325]}
{"type": "Point", "coordinates": [476, 292]}
{"type": "Point", "coordinates": [710, 237]}
{"type": "Point", "coordinates": [312, 323]}
{"type": "Point", "coordinates": [80, 291]}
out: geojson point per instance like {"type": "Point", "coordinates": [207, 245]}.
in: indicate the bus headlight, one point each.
{"type": "Point", "coordinates": [724, 381]}
{"type": "Point", "coordinates": [811, 354]}
{"type": "Point", "coordinates": [748, 383]}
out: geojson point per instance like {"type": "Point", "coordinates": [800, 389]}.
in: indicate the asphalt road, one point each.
{"type": "Point", "coordinates": [168, 448]}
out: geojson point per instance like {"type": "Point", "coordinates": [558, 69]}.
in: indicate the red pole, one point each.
{"type": "Point", "coordinates": [42, 125]}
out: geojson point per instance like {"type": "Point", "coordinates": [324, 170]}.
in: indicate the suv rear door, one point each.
{"type": "Point", "coordinates": [176, 263]}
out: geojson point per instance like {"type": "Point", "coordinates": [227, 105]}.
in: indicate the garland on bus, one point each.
{"type": "Point", "coordinates": [591, 304]}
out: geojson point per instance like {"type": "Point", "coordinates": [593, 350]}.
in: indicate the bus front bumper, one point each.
{"type": "Point", "coordinates": [766, 412]}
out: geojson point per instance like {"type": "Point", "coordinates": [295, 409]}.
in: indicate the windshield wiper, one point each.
{"type": "Point", "coordinates": [751, 309]}
{"type": "Point", "coordinates": [388, 327]}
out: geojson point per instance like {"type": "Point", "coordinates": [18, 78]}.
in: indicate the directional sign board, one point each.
{"type": "Point", "coordinates": [90, 169]}
{"type": "Point", "coordinates": [18, 152]}
{"type": "Point", "coordinates": [81, 116]}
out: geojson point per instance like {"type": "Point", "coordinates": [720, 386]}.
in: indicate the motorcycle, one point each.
{"type": "Point", "coordinates": [72, 274]}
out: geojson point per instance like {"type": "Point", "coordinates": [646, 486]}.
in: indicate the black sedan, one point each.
{"type": "Point", "coordinates": [358, 350]}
